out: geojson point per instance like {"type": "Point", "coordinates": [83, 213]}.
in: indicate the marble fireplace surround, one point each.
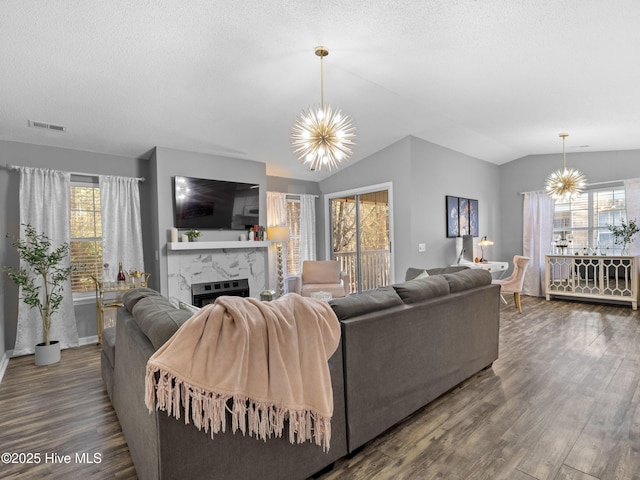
{"type": "Point", "coordinates": [201, 262]}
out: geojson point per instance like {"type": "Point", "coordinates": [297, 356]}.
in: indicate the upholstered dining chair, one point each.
{"type": "Point", "coordinates": [322, 276]}
{"type": "Point", "coordinates": [513, 284]}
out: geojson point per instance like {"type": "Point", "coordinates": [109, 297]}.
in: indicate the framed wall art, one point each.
{"type": "Point", "coordinates": [462, 216]}
{"type": "Point", "coordinates": [452, 216]}
{"type": "Point", "coordinates": [473, 218]}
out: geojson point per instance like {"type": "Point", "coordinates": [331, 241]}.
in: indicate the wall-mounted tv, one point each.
{"type": "Point", "coordinates": [200, 203]}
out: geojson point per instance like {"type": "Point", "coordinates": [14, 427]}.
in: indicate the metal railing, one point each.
{"type": "Point", "coordinates": [375, 268]}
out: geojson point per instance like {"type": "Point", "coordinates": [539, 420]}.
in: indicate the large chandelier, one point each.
{"type": "Point", "coordinates": [322, 136]}
{"type": "Point", "coordinates": [565, 184]}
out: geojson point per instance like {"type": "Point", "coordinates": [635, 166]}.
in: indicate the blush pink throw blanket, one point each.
{"type": "Point", "coordinates": [269, 358]}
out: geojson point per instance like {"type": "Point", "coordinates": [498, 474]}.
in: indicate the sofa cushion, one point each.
{"type": "Point", "coordinates": [467, 279]}
{"type": "Point", "coordinates": [363, 303]}
{"type": "Point", "coordinates": [412, 273]}
{"type": "Point", "coordinates": [158, 319]}
{"type": "Point", "coordinates": [422, 289]}
{"type": "Point", "coordinates": [131, 297]}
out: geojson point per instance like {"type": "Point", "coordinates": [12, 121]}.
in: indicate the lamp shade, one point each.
{"type": "Point", "coordinates": [485, 241]}
{"type": "Point", "coordinates": [278, 234]}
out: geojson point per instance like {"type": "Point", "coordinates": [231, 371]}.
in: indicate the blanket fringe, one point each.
{"type": "Point", "coordinates": [208, 410]}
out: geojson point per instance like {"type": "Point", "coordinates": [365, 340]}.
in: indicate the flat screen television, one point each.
{"type": "Point", "coordinates": [200, 203]}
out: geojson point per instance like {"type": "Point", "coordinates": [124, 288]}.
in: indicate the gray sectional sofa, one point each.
{"type": "Point", "coordinates": [405, 345]}
{"type": "Point", "coordinates": [402, 346]}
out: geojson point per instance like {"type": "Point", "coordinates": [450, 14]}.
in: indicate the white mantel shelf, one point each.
{"type": "Point", "coordinates": [175, 246]}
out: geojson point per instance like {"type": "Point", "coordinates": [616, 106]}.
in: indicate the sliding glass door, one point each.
{"type": "Point", "coordinates": [360, 237]}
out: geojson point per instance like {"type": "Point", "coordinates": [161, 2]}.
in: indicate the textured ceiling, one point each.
{"type": "Point", "coordinates": [497, 80]}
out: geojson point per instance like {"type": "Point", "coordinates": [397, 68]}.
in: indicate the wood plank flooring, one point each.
{"type": "Point", "coordinates": [561, 403]}
{"type": "Point", "coordinates": [60, 410]}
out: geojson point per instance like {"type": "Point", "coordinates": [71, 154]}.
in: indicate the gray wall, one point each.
{"type": "Point", "coordinates": [293, 186]}
{"type": "Point", "coordinates": [422, 175]}
{"type": "Point", "coordinates": [529, 174]}
{"type": "Point", "coordinates": [24, 154]}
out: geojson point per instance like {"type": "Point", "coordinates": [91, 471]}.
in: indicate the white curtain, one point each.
{"type": "Point", "coordinates": [307, 228]}
{"type": "Point", "coordinates": [632, 200]}
{"type": "Point", "coordinates": [121, 223]}
{"type": "Point", "coordinates": [44, 204]}
{"type": "Point", "coordinates": [277, 217]}
{"type": "Point", "coordinates": [537, 235]}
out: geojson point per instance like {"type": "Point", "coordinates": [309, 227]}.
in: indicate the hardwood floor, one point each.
{"type": "Point", "coordinates": [562, 402]}
{"type": "Point", "coordinates": [47, 413]}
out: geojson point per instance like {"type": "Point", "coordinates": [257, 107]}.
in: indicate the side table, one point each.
{"type": "Point", "coordinates": [109, 296]}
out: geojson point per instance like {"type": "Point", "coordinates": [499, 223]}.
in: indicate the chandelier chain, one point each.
{"type": "Point", "coordinates": [322, 54]}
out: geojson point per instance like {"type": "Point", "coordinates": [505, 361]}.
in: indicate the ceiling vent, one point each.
{"type": "Point", "coordinates": [47, 126]}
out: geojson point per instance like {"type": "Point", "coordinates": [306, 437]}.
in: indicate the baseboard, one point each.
{"type": "Point", "coordinates": [4, 362]}
{"type": "Point", "coordinates": [88, 340]}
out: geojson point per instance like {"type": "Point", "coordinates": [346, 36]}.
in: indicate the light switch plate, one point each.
{"type": "Point", "coordinates": [422, 247]}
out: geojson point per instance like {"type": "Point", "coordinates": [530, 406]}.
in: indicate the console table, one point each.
{"type": "Point", "coordinates": [593, 276]}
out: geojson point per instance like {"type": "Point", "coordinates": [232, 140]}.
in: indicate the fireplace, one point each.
{"type": "Point", "coordinates": [204, 293]}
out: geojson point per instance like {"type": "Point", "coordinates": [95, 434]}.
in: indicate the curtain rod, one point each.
{"type": "Point", "coordinates": [595, 184]}
{"type": "Point", "coordinates": [299, 194]}
{"type": "Point", "coordinates": [18, 167]}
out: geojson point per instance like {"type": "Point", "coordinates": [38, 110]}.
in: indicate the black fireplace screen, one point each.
{"type": "Point", "coordinates": [204, 293]}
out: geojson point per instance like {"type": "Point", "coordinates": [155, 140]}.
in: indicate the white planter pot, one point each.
{"type": "Point", "coordinates": [48, 354]}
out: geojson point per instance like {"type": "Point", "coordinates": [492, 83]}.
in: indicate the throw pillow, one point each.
{"type": "Point", "coordinates": [467, 279]}
{"type": "Point", "coordinates": [422, 289]}
{"type": "Point", "coordinates": [158, 319]}
{"type": "Point", "coordinates": [424, 274]}
{"type": "Point", "coordinates": [363, 303]}
{"type": "Point", "coordinates": [133, 296]}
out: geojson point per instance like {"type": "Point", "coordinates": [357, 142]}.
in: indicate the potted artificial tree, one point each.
{"type": "Point", "coordinates": [42, 282]}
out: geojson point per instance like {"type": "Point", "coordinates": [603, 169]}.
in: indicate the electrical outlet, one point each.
{"type": "Point", "coordinates": [422, 247]}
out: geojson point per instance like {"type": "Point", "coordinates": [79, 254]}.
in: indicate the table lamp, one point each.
{"type": "Point", "coordinates": [279, 235]}
{"type": "Point", "coordinates": [484, 241]}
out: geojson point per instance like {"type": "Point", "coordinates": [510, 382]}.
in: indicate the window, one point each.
{"type": "Point", "coordinates": [86, 234]}
{"type": "Point", "coordinates": [581, 225]}
{"type": "Point", "coordinates": [293, 245]}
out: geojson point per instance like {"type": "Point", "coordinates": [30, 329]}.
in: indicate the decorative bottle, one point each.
{"type": "Point", "coordinates": [121, 277]}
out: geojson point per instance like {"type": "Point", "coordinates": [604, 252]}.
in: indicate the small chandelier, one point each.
{"type": "Point", "coordinates": [566, 184]}
{"type": "Point", "coordinates": [322, 136]}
